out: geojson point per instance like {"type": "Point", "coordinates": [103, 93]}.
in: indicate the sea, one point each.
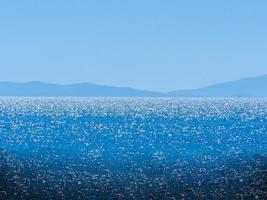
{"type": "Point", "coordinates": [133, 148]}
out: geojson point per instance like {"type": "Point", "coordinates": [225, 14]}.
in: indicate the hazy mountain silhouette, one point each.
{"type": "Point", "coordinates": [248, 87]}
{"type": "Point", "coordinates": [37, 88]}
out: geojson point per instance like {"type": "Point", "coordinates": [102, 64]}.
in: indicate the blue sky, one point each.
{"type": "Point", "coordinates": [148, 44]}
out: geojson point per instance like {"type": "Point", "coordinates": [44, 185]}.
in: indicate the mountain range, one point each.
{"type": "Point", "coordinates": [248, 87]}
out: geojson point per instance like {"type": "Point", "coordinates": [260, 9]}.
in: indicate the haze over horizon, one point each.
{"type": "Point", "coordinates": [147, 45]}
{"type": "Point", "coordinates": [129, 87]}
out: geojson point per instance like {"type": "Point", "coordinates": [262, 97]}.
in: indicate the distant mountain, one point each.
{"type": "Point", "coordinates": [84, 89]}
{"type": "Point", "coordinates": [248, 87]}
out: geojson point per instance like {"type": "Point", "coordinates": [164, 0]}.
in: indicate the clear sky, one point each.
{"type": "Point", "coordinates": [147, 44]}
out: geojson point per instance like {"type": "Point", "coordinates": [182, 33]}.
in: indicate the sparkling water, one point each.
{"type": "Point", "coordinates": [133, 148]}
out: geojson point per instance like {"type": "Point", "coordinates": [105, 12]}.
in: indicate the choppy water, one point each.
{"type": "Point", "coordinates": [133, 148]}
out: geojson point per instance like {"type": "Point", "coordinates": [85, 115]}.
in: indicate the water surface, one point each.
{"type": "Point", "coordinates": [133, 148]}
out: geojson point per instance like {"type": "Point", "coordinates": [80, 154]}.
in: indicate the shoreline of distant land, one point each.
{"type": "Point", "coordinates": [247, 87]}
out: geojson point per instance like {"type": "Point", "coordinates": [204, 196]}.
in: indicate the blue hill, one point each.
{"type": "Point", "coordinates": [248, 87]}
{"type": "Point", "coordinates": [84, 89]}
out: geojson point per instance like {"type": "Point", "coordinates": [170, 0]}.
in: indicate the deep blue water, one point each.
{"type": "Point", "coordinates": [133, 148]}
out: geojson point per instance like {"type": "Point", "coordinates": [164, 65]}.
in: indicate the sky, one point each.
{"type": "Point", "coordinates": [146, 44]}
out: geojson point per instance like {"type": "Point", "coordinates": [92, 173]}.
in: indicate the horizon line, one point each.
{"type": "Point", "coordinates": [127, 87]}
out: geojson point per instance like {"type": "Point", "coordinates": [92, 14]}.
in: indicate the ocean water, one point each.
{"type": "Point", "coordinates": [133, 148]}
